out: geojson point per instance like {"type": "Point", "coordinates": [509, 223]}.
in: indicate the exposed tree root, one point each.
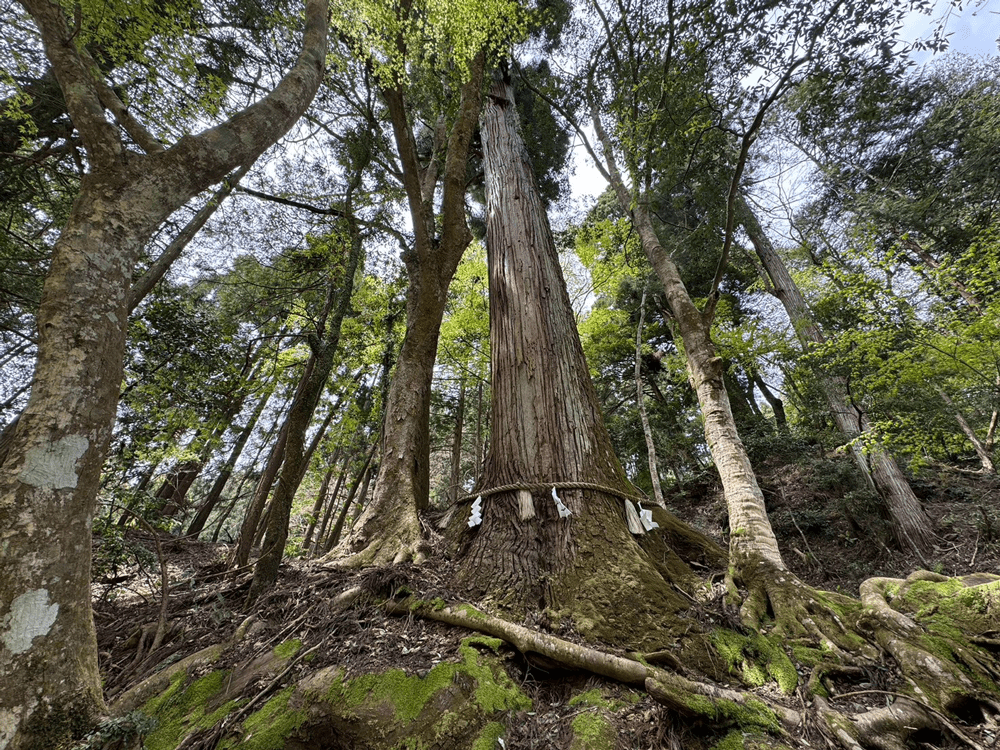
{"type": "Point", "coordinates": [709, 702]}
{"type": "Point", "coordinates": [158, 682]}
{"type": "Point", "coordinates": [381, 539]}
{"type": "Point", "coordinates": [799, 613]}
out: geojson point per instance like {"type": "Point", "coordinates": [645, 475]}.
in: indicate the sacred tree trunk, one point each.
{"type": "Point", "coordinates": [910, 524]}
{"type": "Point", "coordinates": [570, 549]}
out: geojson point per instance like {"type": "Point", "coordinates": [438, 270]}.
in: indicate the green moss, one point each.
{"type": "Point", "coordinates": [747, 715]}
{"type": "Point", "coordinates": [808, 656]}
{"type": "Point", "coordinates": [732, 741]}
{"type": "Point", "coordinates": [494, 691]}
{"type": "Point", "coordinates": [596, 699]}
{"type": "Point", "coordinates": [487, 739]}
{"type": "Point", "coordinates": [182, 708]}
{"type": "Point", "coordinates": [269, 727]}
{"type": "Point", "coordinates": [591, 731]}
{"type": "Point", "coordinates": [288, 649]}
{"type": "Point", "coordinates": [470, 612]}
{"type": "Point", "coordinates": [756, 658]}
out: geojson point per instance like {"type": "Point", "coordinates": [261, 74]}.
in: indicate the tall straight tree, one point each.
{"type": "Point", "coordinates": [533, 550]}
{"type": "Point", "coordinates": [50, 688]}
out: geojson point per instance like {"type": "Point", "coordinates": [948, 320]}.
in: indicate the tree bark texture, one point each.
{"type": "Point", "coordinates": [751, 535]}
{"type": "Point", "coordinates": [50, 688]}
{"type": "Point", "coordinates": [911, 526]}
{"type": "Point", "coordinates": [547, 425]}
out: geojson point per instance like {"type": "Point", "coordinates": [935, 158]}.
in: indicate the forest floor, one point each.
{"type": "Point", "coordinates": [827, 543]}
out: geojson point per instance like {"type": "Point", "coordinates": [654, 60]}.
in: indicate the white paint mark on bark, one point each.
{"type": "Point", "coordinates": [30, 616]}
{"type": "Point", "coordinates": [53, 466]}
{"type": "Point", "coordinates": [8, 723]}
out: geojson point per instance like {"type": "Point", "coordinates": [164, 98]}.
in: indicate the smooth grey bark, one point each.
{"type": "Point", "coordinates": [910, 523]}
{"type": "Point", "coordinates": [50, 687]}
{"type": "Point", "coordinates": [752, 539]}
{"type": "Point", "coordinates": [389, 529]}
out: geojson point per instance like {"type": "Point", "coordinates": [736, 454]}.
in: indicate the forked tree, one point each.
{"type": "Point", "coordinates": [50, 687]}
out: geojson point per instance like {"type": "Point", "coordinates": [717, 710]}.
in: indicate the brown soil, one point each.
{"type": "Point", "coordinates": [820, 544]}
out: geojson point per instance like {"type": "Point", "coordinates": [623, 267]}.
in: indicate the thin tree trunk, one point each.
{"type": "Point", "coordinates": [776, 404]}
{"type": "Point", "coordinates": [911, 526]}
{"type": "Point", "coordinates": [752, 538]}
{"type": "Point", "coordinates": [251, 520]}
{"type": "Point", "coordinates": [325, 344]}
{"type": "Point", "coordinates": [479, 432]}
{"type": "Point", "coordinates": [985, 459]}
{"type": "Point", "coordinates": [210, 501]}
{"type": "Point", "coordinates": [456, 445]}
{"type": "Point", "coordinates": [339, 526]}
{"type": "Point", "coordinates": [331, 504]}
{"type": "Point", "coordinates": [145, 283]}
{"type": "Point", "coordinates": [321, 497]}
{"type": "Point", "coordinates": [647, 433]}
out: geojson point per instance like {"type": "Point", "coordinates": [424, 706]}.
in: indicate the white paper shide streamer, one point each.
{"type": "Point", "coordinates": [563, 510]}
{"type": "Point", "coordinates": [646, 516]}
{"type": "Point", "coordinates": [477, 512]}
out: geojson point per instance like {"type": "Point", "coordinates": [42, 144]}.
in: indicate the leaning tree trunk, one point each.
{"type": "Point", "coordinates": [910, 524]}
{"type": "Point", "coordinates": [751, 540]}
{"type": "Point", "coordinates": [547, 430]}
{"type": "Point", "coordinates": [325, 345]}
{"type": "Point", "coordinates": [985, 460]}
{"type": "Point", "coordinates": [212, 499]}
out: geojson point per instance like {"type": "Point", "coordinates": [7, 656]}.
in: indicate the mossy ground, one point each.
{"type": "Point", "coordinates": [185, 706]}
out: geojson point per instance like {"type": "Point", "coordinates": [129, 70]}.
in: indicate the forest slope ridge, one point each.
{"type": "Point", "coordinates": [334, 658]}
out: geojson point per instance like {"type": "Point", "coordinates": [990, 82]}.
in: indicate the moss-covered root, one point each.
{"type": "Point", "coordinates": [931, 626]}
{"type": "Point", "coordinates": [802, 615]}
{"type": "Point", "coordinates": [890, 728]}
{"type": "Point", "coordinates": [720, 705]}
{"type": "Point", "coordinates": [380, 540]}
